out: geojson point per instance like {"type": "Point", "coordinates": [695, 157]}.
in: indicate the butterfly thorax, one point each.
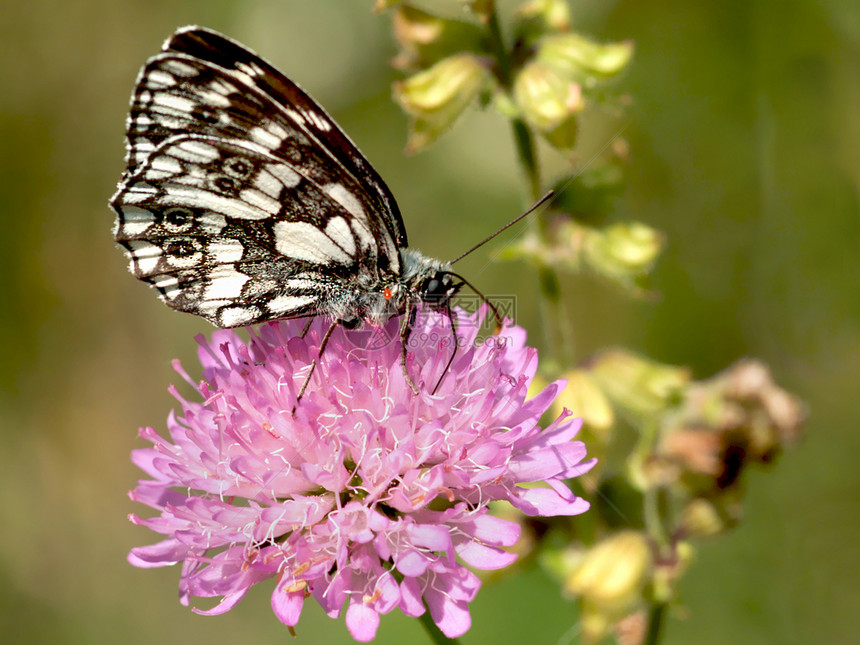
{"type": "Point", "coordinates": [374, 300]}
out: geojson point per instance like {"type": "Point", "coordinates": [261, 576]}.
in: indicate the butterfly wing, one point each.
{"type": "Point", "coordinates": [207, 45]}
{"type": "Point", "coordinates": [243, 200]}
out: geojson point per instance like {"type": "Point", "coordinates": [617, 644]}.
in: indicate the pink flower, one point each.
{"type": "Point", "coordinates": [368, 495]}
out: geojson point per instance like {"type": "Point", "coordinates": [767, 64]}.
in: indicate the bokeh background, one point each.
{"type": "Point", "coordinates": [745, 147]}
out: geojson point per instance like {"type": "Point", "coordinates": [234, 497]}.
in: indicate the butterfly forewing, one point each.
{"type": "Point", "coordinates": [226, 54]}
{"type": "Point", "coordinates": [205, 83]}
{"type": "Point", "coordinates": [243, 201]}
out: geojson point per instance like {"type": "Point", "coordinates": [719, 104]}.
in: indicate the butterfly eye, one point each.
{"type": "Point", "coordinates": [437, 289]}
{"type": "Point", "coordinates": [225, 185]}
{"type": "Point", "coordinates": [237, 168]}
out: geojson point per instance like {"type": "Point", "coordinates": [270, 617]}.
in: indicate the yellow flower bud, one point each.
{"type": "Point", "coordinates": [585, 399]}
{"type": "Point", "coordinates": [438, 95]}
{"type": "Point", "coordinates": [578, 57]}
{"type": "Point", "coordinates": [613, 572]}
{"type": "Point", "coordinates": [640, 386]}
{"type": "Point", "coordinates": [535, 18]}
{"type": "Point", "coordinates": [610, 580]}
{"type": "Point", "coordinates": [549, 102]}
{"type": "Point", "coordinates": [622, 252]}
{"type": "Point", "coordinates": [426, 38]}
{"type": "Point", "coordinates": [385, 5]}
{"type": "Point", "coordinates": [481, 8]}
{"type": "Point", "coordinates": [702, 519]}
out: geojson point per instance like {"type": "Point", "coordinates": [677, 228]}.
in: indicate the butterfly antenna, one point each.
{"type": "Point", "coordinates": [492, 307]}
{"type": "Point", "coordinates": [537, 204]}
{"type": "Point", "coordinates": [450, 315]}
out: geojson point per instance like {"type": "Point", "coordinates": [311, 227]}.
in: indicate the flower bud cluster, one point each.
{"type": "Point", "coordinates": [544, 78]}
{"type": "Point", "coordinates": [447, 67]}
{"type": "Point", "coordinates": [671, 453]}
{"type": "Point", "coordinates": [738, 418]}
{"type": "Point", "coordinates": [623, 252]}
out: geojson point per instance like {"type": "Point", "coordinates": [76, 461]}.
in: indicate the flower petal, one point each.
{"type": "Point", "coordinates": [547, 502]}
{"type": "Point", "coordinates": [362, 622]}
{"type": "Point", "coordinates": [286, 604]}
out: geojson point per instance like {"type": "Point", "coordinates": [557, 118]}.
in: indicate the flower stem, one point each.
{"type": "Point", "coordinates": [655, 523]}
{"type": "Point", "coordinates": [554, 316]}
{"type": "Point", "coordinates": [528, 157]}
{"type": "Point", "coordinates": [656, 617]}
{"type": "Point", "coordinates": [655, 527]}
{"type": "Point", "coordinates": [556, 320]}
{"type": "Point", "coordinates": [498, 49]}
{"type": "Point", "coordinates": [433, 631]}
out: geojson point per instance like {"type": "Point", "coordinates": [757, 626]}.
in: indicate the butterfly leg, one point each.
{"type": "Point", "coordinates": [454, 352]}
{"type": "Point", "coordinates": [406, 323]}
{"type": "Point", "coordinates": [314, 362]}
{"type": "Point", "coordinates": [306, 328]}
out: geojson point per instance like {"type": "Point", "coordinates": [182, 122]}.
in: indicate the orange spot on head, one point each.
{"type": "Point", "coordinates": [386, 293]}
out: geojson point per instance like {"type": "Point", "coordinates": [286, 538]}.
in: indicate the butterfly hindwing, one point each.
{"type": "Point", "coordinates": [226, 231]}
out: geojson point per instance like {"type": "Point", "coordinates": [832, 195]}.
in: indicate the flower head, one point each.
{"type": "Point", "coordinates": [364, 495]}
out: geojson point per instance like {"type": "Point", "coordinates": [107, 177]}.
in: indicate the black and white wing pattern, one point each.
{"type": "Point", "coordinates": [243, 201]}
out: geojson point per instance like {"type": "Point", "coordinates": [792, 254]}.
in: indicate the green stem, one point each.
{"type": "Point", "coordinates": [656, 617]}
{"type": "Point", "coordinates": [655, 523]}
{"type": "Point", "coordinates": [500, 52]}
{"type": "Point", "coordinates": [433, 631]}
{"type": "Point", "coordinates": [655, 527]}
{"type": "Point", "coordinates": [555, 320]}
{"type": "Point", "coordinates": [527, 154]}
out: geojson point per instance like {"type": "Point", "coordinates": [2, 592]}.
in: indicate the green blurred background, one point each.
{"type": "Point", "coordinates": [745, 152]}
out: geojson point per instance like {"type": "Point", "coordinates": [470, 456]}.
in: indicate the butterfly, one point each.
{"type": "Point", "coordinates": [243, 201]}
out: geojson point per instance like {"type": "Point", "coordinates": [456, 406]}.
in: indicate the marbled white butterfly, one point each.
{"type": "Point", "coordinates": [243, 201]}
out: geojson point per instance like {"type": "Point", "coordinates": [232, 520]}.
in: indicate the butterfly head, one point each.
{"type": "Point", "coordinates": [438, 289]}
{"type": "Point", "coordinates": [428, 279]}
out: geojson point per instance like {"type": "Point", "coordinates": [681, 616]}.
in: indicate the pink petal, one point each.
{"type": "Point", "coordinates": [542, 464]}
{"type": "Point", "coordinates": [492, 530]}
{"type": "Point", "coordinates": [362, 622]}
{"type": "Point", "coordinates": [484, 557]}
{"type": "Point", "coordinates": [547, 502]}
{"type": "Point", "coordinates": [162, 554]}
{"type": "Point", "coordinates": [451, 617]}
{"type": "Point", "coordinates": [411, 562]}
{"type": "Point", "coordinates": [287, 605]}
{"type": "Point", "coordinates": [411, 603]}
{"type": "Point", "coordinates": [227, 603]}
{"type": "Point", "coordinates": [434, 538]}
